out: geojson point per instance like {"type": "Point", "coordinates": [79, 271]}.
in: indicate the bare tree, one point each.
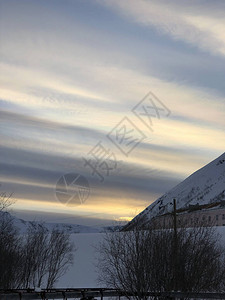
{"type": "Point", "coordinates": [60, 255]}
{"type": "Point", "coordinates": [124, 261]}
{"type": "Point", "coordinates": [192, 263]}
{"type": "Point", "coordinates": [35, 256]}
{"type": "Point", "coordinates": [9, 252]}
{"type": "Point", "coordinates": [140, 261]}
{"type": "Point", "coordinates": [46, 256]}
{"type": "Point", "coordinates": [5, 200]}
{"type": "Point", "coordinates": [9, 244]}
{"type": "Point", "coordinates": [32, 260]}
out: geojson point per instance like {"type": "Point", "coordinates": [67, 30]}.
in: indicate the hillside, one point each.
{"type": "Point", "coordinates": [23, 225]}
{"type": "Point", "coordinates": [207, 185]}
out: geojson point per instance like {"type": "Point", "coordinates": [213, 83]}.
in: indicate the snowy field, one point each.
{"type": "Point", "coordinates": [83, 272]}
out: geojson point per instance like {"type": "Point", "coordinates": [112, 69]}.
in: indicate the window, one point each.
{"type": "Point", "coordinates": [223, 217]}
{"type": "Point", "coordinates": [209, 218]}
{"type": "Point", "coordinates": [217, 217]}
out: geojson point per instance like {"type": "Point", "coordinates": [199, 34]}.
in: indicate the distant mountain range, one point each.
{"type": "Point", "coordinates": [205, 186]}
{"type": "Point", "coordinates": [22, 226]}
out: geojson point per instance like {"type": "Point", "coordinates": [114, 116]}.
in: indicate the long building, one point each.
{"type": "Point", "coordinates": [210, 214]}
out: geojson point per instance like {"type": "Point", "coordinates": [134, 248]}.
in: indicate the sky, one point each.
{"type": "Point", "coordinates": [105, 105]}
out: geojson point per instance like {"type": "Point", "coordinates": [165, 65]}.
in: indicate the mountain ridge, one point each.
{"type": "Point", "coordinates": [204, 186]}
{"type": "Point", "coordinates": [22, 226]}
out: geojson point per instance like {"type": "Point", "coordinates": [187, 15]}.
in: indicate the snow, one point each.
{"type": "Point", "coordinates": [83, 272]}
{"type": "Point", "coordinates": [206, 185]}
{"type": "Point", "coordinates": [68, 228]}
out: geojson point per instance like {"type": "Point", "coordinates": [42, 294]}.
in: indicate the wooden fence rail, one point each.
{"type": "Point", "coordinates": [90, 294]}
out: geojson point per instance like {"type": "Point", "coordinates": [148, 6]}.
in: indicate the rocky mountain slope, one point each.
{"type": "Point", "coordinates": [207, 185]}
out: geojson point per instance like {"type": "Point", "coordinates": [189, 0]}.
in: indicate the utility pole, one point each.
{"type": "Point", "coordinates": [175, 245]}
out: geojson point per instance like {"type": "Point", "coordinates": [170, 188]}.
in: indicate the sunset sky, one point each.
{"type": "Point", "coordinates": [73, 74]}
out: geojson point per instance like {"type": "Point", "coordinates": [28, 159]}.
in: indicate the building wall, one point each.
{"type": "Point", "coordinates": [205, 217]}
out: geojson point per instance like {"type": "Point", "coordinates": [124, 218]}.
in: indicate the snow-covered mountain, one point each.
{"type": "Point", "coordinates": [69, 228]}
{"type": "Point", "coordinates": [22, 226]}
{"type": "Point", "coordinates": [207, 185]}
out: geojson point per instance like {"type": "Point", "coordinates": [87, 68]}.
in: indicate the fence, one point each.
{"type": "Point", "coordinates": [90, 294]}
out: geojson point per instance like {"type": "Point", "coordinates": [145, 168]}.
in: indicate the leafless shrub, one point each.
{"type": "Point", "coordinates": [34, 256]}
{"type": "Point", "coordinates": [9, 252]}
{"type": "Point", "coordinates": [39, 258]}
{"type": "Point", "coordinates": [46, 256]}
{"type": "Point", "coordinates": [60, 255]}
{"type": "Point", "coordinates": [9, 244]}
{"type": "Point", "coordinates": [139, 261]}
